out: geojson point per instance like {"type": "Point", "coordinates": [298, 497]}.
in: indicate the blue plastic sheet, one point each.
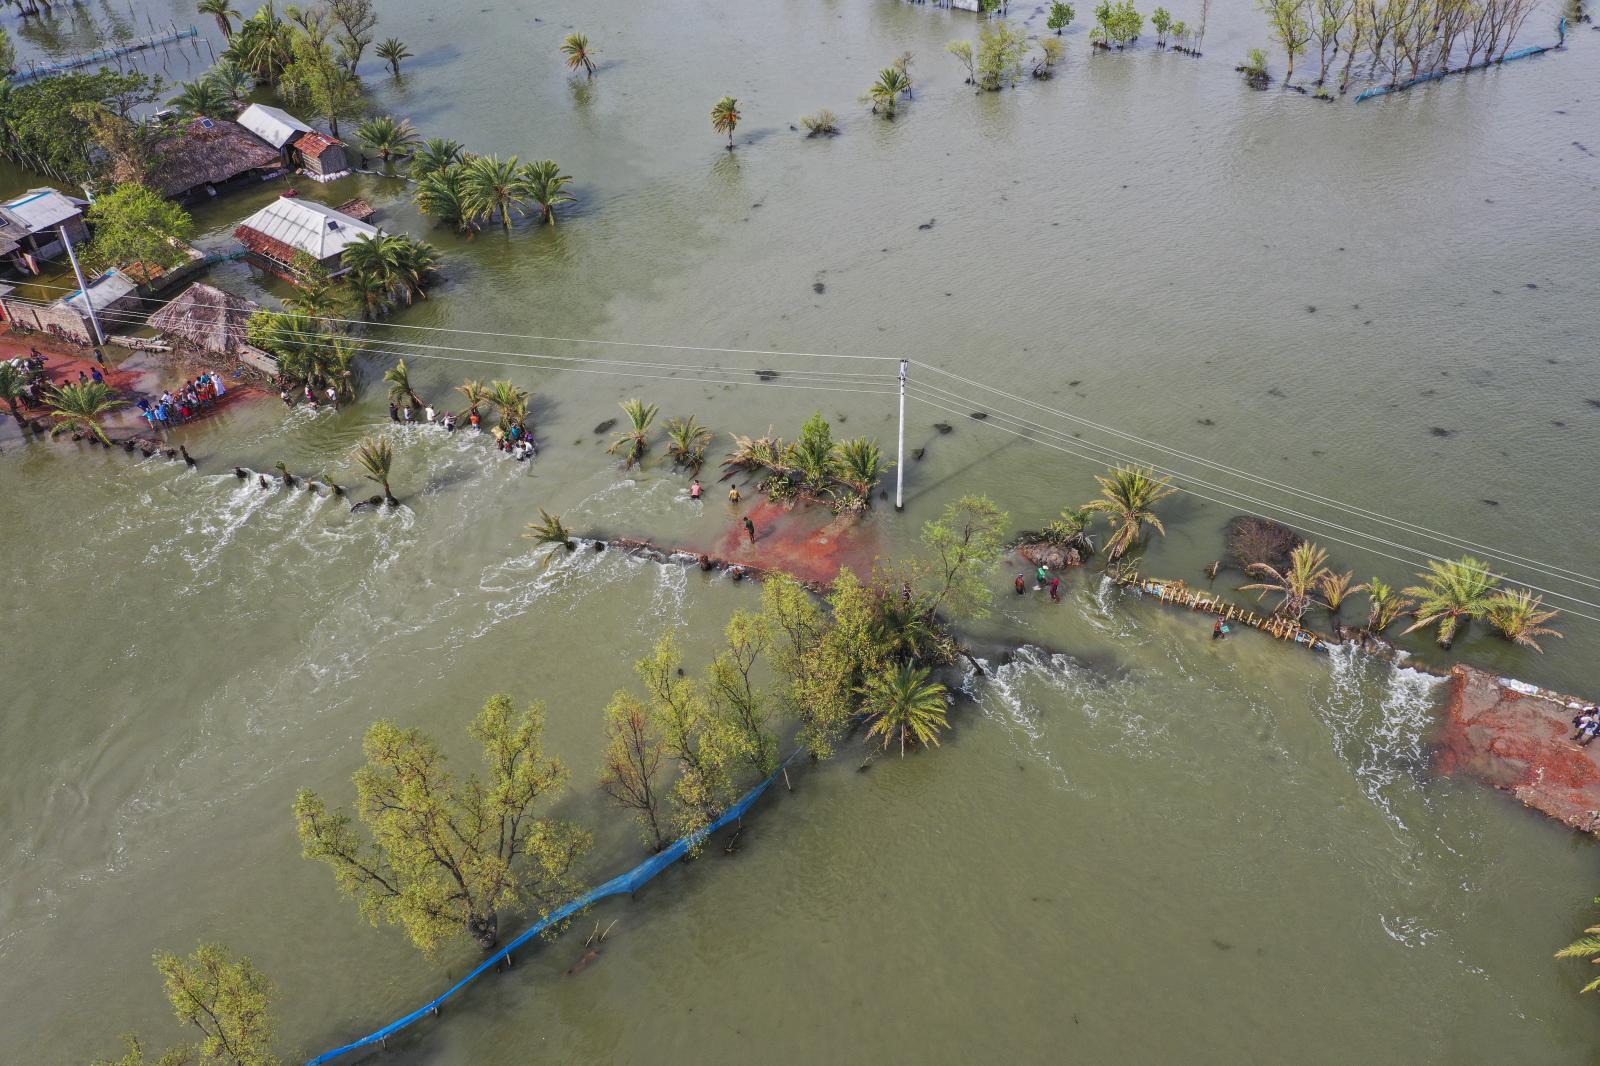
{"type": "Point", "coordinates": [627, 882]}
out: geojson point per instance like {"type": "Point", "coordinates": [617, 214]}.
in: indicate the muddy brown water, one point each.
{"type": "Point", "coordinates": [1151, 847]}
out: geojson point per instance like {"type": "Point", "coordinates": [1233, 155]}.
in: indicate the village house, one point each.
{"type": "Point", "coordinates": [30, 226]}
{"type": "Point", "coordinates": [320, 156]}
{"type": "Point", "coordinates": [289, 225]}
{"type": "Point", "coordinates": [209, 153]}
{"type": "Point", "coordinates": [113, 295]}
{"type": "Point", "coordinates": [212, 320]}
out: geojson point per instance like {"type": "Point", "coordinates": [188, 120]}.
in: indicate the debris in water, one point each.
{"type": "Point", "coordinates": [1530, 285]}
{"type": "Point", "coordinates": [1221, 945]}
{"type": "Point", "coordinates": [1492, 503]}
{"type": "Point", "coordinates": [943, 427]}
{"type": "Point", "coordinates": [918, 453]}
{"type": "Point", "coordinates": [1206, 421]}
{"type": "Point", "coordinates": [1071, 384]}
{"type": "Point", "coordinates": [766, 375]}
{"type": "Point", "coordinates": [1311, 309]}
{"type": "Point", "coordinates": [979, 415]}
{"type": "Point", "coordinates": [1440, 431]}
{"type": "Point", "coordinates": [605, 426]}
{"type": "Point", "coordinates": [1275, 391]}
{"type": "Point", "coordinates": [818, 287]}
{"type": "Point", "coordinates": [1592, 402]}
{"type": "Point", "coordinates": [927, 225]}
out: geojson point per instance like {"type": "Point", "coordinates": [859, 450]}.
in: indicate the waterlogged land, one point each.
{"type": "Point", "coordinates": [1140, 241]}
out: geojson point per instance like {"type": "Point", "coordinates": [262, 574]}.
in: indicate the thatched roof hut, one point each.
{"type": "Point", "coordinates": [207, 318]}
{"type": "Point", "coordinates": [209, 152]}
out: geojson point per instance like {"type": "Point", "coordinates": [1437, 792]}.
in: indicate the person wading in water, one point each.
{"type": "Point", "coordinates": [750, 529]}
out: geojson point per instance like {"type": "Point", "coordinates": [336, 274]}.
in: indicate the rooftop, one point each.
{"type": "Point", "coordinates": [208, 151]}
{"type": "Point", "coordinates": [207, 317]}
{"type": "Point", "coordinates": [273, 125]}
{"type": "Point", "coordinates": [39, 209]}
{"type": "Point", "coordinates": [302, 225]}
{"type": "Point", "coordinates": [104, 291]}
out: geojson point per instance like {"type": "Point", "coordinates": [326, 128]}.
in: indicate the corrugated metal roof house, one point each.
{"type": "Point", "coordinates": [289, 224]}
{"type": "Point", "coordinates": [29, 225]}
{"type": "Point", "coordinates": [273, 125]}
{"type": "Point", "coordinates": [322, 157]}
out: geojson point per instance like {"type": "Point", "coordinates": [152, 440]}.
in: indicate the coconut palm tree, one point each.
{"type": "Point", "coordinates": [1520, 616]}
{"type": "Point", "coordinates": [377, 459]}
{"type": "Point", "coordinates": [576, 48]}
{"type": "Point", "coordinates": [545, 183]}
{"type": "Point", "coordinates": [1127, 497]}
{"type": "Point", "coordinates": [859, 465]}
{"type": "Point", "coordinates": [493, 186]}
{"type": "Point", "coordinates": [725, 117]}
{"type": "Point", "coordinates": [687, 441]}
{"type": "Point", "coordinates": [392, 50]}
{"type": "Point", "coordinates": [202, 99]}
{"type": "Point", "coordinates": [755, 454]}
{"type": "Point", "coordinates": [1305, 572]}
{"type": "Point", "coordinates": [550, 530]}
{"type": "Point", "coordinates": [232, 79]}
{"type": "Point", "coordinates": [442, 194]}
{"type": "Point", "coordinates": [885, 92]}
{"type": "Point", "coordinates": [414, 264]}
{"type": "Point", "coordinates": [1335, 587]}
{"type": "Point", "coordinates": [13, 387]}
{"type": "Point", "coordinates": [633, 443]}
{"type": "Point", "coordinates": [475, 393]}
{"type": "Point", "coordinates": [388, 136]}
{"type": "Point", "coordinates": [372, 293]}
{"type": "Point", "coordinates": [1071, 530]}
{"type": "Point", "coordinates": [264, 44]}
{"type": "Point", "coordinates": [903, 704]}
{"type": "Point", "coordinates": [509, 402]}
{"type": "Point", "coordinates": [221, 10]}
{"type": "Point", "coordinates": [1585, 947]}
{"type": "Point", "coordinates": [400, 390]}
{"type": "Point", "coordinates": [435, 155]}
{"type": "Point", "coordinates": [1452, 593]}
{"type": "Point", "coordinates": [78, 407]}
{"type": "Point", "coordinates": [1385, 605]}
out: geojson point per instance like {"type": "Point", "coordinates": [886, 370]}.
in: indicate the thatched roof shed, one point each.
{"type": "Point", "coordinates": [208, 318]}
{"type": "Point", "coordinates": [209, 152]}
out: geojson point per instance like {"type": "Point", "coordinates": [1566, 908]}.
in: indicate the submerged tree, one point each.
{"type": "Point", "coordinates": [78, 408]}
{"type": "Point", "coordinates": [1385, 605]}
{"type": "Point", "coordinates": [446, 857]}
{"type": "Point", "coordinates": [221, 10]}
{"type": "Point", "coordinates": [902, 704]}
{"type": "Point", "coordinates": [1335, 588]}
{"type": "Point", "coordinates": [743, 710]}
{"type": "Point", "coordinates": [509, 402]}
{"type": "Point", "coordinates": [681, 714]}
{"type": "Point", "coordinates": [436, 154]}
{"type": "Point", "coordinates": [1585, 947]}
{"type": "Point", "coordinates": [687, 441]}
{"type": "Point", "coordinates": [202, 98]}
{"type": "Point", "coordinates": [1001, 50]}
{"type": "Point", "coordinates": [1127, 499]}
{"type": "Point", "coordinates": [13, 389]}
{"type": "Point", "coordinates": [966, 56]}
{"type": "Point", "coordinates": [633, 442]}
{"type": "Point", "coordinates": [400, 390]}
{"type": "Point", "coordinates": [631, 768]}
{"type": "Point", "coordinates": [1305, 573]}
{"type": "Point", "coordinates": [1520, 616]}
{"type": "Point", "coordinates": [388, 136]}
{"type": "Point", "coordinates": [822, 124]}
{"type": "Point", "coordinates": [550, 531]}
{"type": "Point", "coordinates": [377, 459]}
{"type": "Point", "coordinates": [965, 543]}
{"type": "Point", "coordinates": [575, 46]}
{"type": "Point", "coordinates": [493, 186]}
{"type": "Point", "coordinates": [1452, 593]}
{"type": "Point", "coordinates": [725, 117]}
{"type": "Point", "coordinates": [392, 50]}
{"type": "Point", "coordinates": [884, 94]}
{"type": "Point", "coordinates": [1061, 16]}
{"type": "Point", "coordinates": [135, 226]}
{"type": "Point", "coordinates": [1290, 27]}
{"type": "Point", "coordinates": [546, 187]}
{"type": "Point", "coordinates": [225, 999]}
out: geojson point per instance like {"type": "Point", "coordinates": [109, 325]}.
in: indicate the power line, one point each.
{"type": "Point", "coordinates": [1222, 503]}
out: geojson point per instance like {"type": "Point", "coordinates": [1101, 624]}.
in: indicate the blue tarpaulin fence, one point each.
{"type": "Point", "coordinates": [102, 55]}
{"type": "Point", "coordinates": [1521, 53]}
{"type": "Point", "coordinates": [628, 882]}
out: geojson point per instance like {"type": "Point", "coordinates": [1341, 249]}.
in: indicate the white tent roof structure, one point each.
{"type": "Point", "coordinates": [273, 125]}
{"type": "Point", "coordinates": [307, 226]}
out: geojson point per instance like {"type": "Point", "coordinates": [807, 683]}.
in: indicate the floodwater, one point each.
{"type": "Point", "coordinates": [1139, 845]}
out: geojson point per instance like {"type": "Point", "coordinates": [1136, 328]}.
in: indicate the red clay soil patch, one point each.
{"type": "Point", "coordinates": [1519, 743]}
{"type": "Point", "coordinates": [811, 543]}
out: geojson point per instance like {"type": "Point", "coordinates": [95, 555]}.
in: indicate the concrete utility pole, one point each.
{"type": "Point", "coordinates": [900, 448]}
{"type": "Point", "coordinates": [100, 338]}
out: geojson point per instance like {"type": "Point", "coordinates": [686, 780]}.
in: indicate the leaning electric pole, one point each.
{"type": "Point", "coordinates": [900, 448]}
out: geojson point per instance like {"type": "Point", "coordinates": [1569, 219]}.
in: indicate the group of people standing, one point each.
{"type": "Point", "coordinates": [188, 402]}
{"type": "Point", "coordinates": [1045, 581]}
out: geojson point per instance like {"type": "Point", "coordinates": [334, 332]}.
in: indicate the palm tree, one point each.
{"type": "Point", "coordinates": [232, 79]}
{"type": "Point", "coordinates": [687, 441]}
{"type": "Point", "coordinates": [1452, 593]}
{"type": "Point", "coordinates": [859, 466]}
{"type": "Point", "coordinates": [1127, 497]}
{"type": "Point", "coordinates": [13, 387]}
{"type": "Point", "coordinates": [414, 263]}
{"type": "Point", "coordinates": [1385, 605]}
{"type": "Point", "coordinates": [725, 116]}
{"type": "Point", "coordinates": [400, 390]}
{"type": "Point", "coordinates": [1585, 947]}
{"type": "Point", "coordinates": [78, 407]}
{"type": "Point", "coordinates": [435, 155]}
{"type": "Point", "coordinates": [544, 183]}
{"type": "Point", "coordinates": [1335, 587]}
{"type": "Point", "coordinates": [324, 301]}
{"type": "Point", "coordinates": [339, 366]}
{"type": "Point", "coordinates": [1305, 572]}
{"type": "Point", "coordinates": [388, 136]}
{"type": "Point", "coordinates": [633, 443]}
{"type": "Point", "coordinates": [370, 291]}
{"type": "Point", "coordinates": [902, 703]}
{"type": "Point", "coordinates": [392, 51]}
{"type": "Point", "coordinates": [475, 393]}
{"type": "Point", "coordinates": [202, 99]}
{"type": "Point", "coordinates": [885, 92]}
{"type": "Point", "coordinates": [442, 194]}
{"type": "Point", "coordinates": [1520, 616]}
{"type": "Point", "coordinates": [509, 402]}
{"type": "Point", "coordinates": [222, 11]}
{"type": "Point", "coordinates": [576, 48]}
{"type": "Point", "coordinates": [376, 459]}
{"type": "Point", "coordinates": [552, 531]}
{"type": "Point", "coordinates": [493, 186]}
{"type": "Point", "coordinates": [1071, 530]}
{"type": "Point", "coordinates": [264, 44]}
